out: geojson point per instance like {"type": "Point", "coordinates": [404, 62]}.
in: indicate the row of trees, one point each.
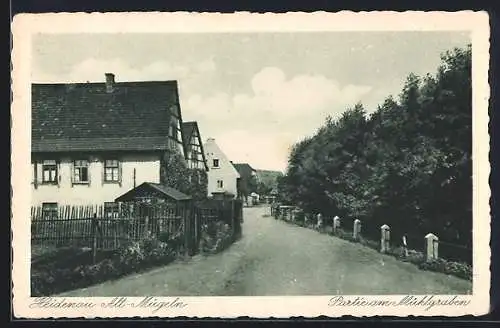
{"type": "Point", "coordinates": [408, 164]}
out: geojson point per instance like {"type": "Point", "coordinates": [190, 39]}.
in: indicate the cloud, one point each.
{"type": "Point", "coordinates": [262, 150]}
{"type": "Point", "coordinates": [92, 70]}
{"type": "Point", "coordinates": [206, 66]}
{"type": "Point", "coordinates": [260, 126]}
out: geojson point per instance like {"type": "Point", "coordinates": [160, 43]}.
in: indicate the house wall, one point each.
{"type": "Point", "coordinates": [225, 172]}
{"type": "Point", "coordinates": [97, 192]}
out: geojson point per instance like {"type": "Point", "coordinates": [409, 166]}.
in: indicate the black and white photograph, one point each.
{"type": "Point", "coordinates": [233, 161]}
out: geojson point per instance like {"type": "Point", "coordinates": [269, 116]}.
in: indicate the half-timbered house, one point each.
{"type": "Point", "coordinates": [193, 145]}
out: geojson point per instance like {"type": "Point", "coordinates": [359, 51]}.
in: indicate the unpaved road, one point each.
{"type": "Point", "coordinates": [275, 258]}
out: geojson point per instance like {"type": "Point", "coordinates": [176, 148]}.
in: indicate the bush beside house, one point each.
{"type": "Point", "coordinates": [193, 182]}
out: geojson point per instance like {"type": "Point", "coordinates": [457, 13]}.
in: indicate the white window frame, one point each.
{"type": "Point", "coordinates": [78, 167]}
{"type": "Point", "coordinates": [115, 178]}
{"type": "Point", "coordinates": [51, 167]}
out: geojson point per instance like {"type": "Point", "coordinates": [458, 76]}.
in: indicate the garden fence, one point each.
{"type": "Point", "coordinates": [97, 227]}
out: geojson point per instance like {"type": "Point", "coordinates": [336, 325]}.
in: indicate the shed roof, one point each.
{"type": "Point", "coordinates": [158, 189]}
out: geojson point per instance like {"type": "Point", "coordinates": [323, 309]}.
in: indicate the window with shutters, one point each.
{"type": "Point", "coordinates": [220, 184]}
{"type": "Point", "coordinates": [111, 170]}
{"type": "Point", "coordinates": [81, 172]}
{"type": "Point", "coordinates": [49, 172]}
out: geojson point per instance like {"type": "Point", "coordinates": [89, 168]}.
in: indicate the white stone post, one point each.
{"type": "Point", "coordinates": [385, 237]}
{"type": "Point", "coordinates": [356, 230]}
{"type": "Point", "coordinates": [319, 221]}
{"type": "Point", "coordinates": [432, 246]}
{"type": "Point", "coordinates": [336, 224]}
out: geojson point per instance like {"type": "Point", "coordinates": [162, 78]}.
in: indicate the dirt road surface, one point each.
{"type": "Point", "coordinates": [276, 258]}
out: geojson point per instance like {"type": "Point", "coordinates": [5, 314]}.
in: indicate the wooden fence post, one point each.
{"type": "Point", "coordinates": [356, 229]}
{"type": "Point", "coordinates": [94, 242]}
{"type": "Point", "coordinates": [187, 232]}
{"type": "Point", "coordinates": [405, 247]}
{"type": "Point", "coordinates": [432, 242]}
{"type": "Point", "coordinates": [385, 237]}
{"type": "Point", "coordinates": [336, 224]}
{"type": "Point", "coordinates": [233, 220]}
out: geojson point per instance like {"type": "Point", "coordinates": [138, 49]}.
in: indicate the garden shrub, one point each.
{"type": "Point", "coordinates": [53, 277]}
{"type": "Point", "coordinates": [461, 270]}
{"type": "Point", "coordinates": [216, 236]}
{"type": "Point", "coordinates": [457, 269]}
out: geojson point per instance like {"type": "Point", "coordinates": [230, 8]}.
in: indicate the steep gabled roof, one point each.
{"type": "Point", "coordinates": [83, 114]}
{"type": "Point", "coordinates": [211, 149]}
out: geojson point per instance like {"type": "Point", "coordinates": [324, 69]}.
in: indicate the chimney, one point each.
{"type": "Point", "coordinates": [110, 81]}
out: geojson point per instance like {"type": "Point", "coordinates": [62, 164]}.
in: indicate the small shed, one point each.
{"type": "Point", "coordinates": [153, 193]}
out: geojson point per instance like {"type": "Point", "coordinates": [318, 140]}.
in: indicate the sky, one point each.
{"type": "Point", "coordinates": [256, 94]}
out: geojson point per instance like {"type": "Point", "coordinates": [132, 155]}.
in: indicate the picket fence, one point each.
{"type": "Point", "coordinates": [99, 228]}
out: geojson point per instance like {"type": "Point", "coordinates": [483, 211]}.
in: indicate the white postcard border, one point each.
{"type": "Point", "coordinates": [25, 25]}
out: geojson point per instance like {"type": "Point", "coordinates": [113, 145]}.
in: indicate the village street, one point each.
{"type": "Point", "coordinates": [275, 258]}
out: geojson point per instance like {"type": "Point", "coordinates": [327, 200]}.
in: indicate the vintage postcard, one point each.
{"type": "Point", "coordinates": [261, 165]}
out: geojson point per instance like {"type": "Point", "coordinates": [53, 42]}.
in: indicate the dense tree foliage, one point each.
{"type": "Point", "coordinates": [408, 164]}
{"type": "Point", "coordinates": [175, 173]}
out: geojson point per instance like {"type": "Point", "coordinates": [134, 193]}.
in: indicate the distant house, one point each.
{"type": "Point", "coordinates": [92, 142]}
{"type": "Point", "coordinates": [248, 180]}
{"type": "Point", "coordinates": [222, 176]}
{"type": "Point", "coordinates": [193, 145]}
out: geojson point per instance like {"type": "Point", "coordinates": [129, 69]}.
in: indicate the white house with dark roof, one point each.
{"type": "Point", "coordinates": [222, 176]}
{"type": "Point", "coordinates": [92, 142]}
